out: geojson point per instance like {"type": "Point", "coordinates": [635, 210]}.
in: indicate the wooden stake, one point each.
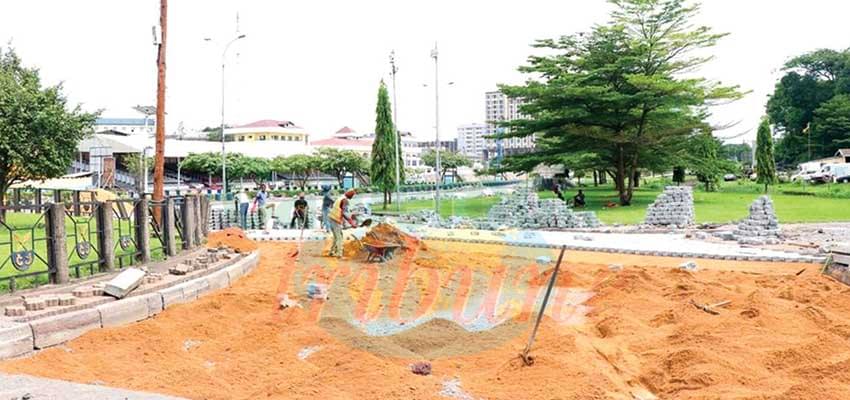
{"type": "Point", "coordinates": [159, 161]}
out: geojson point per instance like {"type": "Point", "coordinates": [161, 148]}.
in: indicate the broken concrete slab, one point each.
{"type": "Point", "coordinates": [124, 283]}
{"type": "Point", "coordinates": [15, 339]}
{"type": "Point", "coordinates": [61, 328]}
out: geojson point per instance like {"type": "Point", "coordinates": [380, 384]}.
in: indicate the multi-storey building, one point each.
{"type": "Point", "coordinates": [471, 140]}
{"type": "Point", "coordinates": [498, 108]}
{"type": "Point", "coordinates": [127, 126]}
{"type": "Point", "coordinates": [268, 130]}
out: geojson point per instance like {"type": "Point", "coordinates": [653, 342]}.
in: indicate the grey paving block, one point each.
{"type": "Point", "coordinates": [124, 283]}
{"type": "Point", "coordinates": [61, 328]}
{"type": "Point", "coordinates": [15, 339]}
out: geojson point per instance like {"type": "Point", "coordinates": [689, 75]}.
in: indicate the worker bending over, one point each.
{"type": "Point", "coordinates": [338, 216]}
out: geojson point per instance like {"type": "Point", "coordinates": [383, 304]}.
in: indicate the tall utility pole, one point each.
{"type": "Point", "coordinates": [393, 70]}
{"type": "Point", "coordinates": [438, 168]}
{"type": "Point", "coordinates": [159, 162]}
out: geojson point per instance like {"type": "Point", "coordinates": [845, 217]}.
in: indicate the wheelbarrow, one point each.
{"type": "Point", "coordinates": [379, 251]}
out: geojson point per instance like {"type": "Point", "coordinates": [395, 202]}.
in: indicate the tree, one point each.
{"type": "Point", "coordinates": [214, 134]}
{"type": "Point", "coordinates": [134, 164]}
{"type": "Point", "coordinates": [703, 161]}
{"type": "Point", "coordinates": [383, 165]}
{"type": "Point", "coordinates": [765, 162]}
{"type": "Point", "coordinates": [449, 160]}
{"type": "Point", "coordinates": [300, 166]}
{"type": "Point", "coordinates": [255, 168]}
{"type": "Point", "coordinates": [831, 125]}
{"type": "Point", "coordinates": [338, 163]}
{"type": "Point", "coordinates": [803, 97]}
{"type": "Point", "coordinates": [619, 91]}
{"type": "Point", "coordinates": [39, 132]}
{"type": "Point", "coordinates": [205, 163]}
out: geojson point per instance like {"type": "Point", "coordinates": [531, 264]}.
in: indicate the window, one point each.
{"type": "Point", "coordinates": [241, 138]}
{"type": "Point", "coordinates": [262, 137]}
{"type": "Point", "coordinates": [274, 137]}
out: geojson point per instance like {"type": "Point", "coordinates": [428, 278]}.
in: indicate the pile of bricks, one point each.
{"type": "Point", "coordinates": [524, 209]}
{"type": "Point", "coordinates": [673, 208]}
{"type": "Point", "coordinates": [761, 226]}
{"type": "Point", "coordinates": [39, 303]}
{"type": "Point", "coordinates": [221, 218]}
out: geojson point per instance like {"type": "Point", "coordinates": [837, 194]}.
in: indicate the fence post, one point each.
{"type": "Point", "coordinates": [143, 237]}
{"type": "Point", "coordinates": [205, 216]}
{"type": "Point", "coordinates": [105, 238]}
{"type": "Point", "coordinates": [75, 198]}
{"type": "Point", "coordinates": [199, 236]}
{"type": "Point", "coordinates": [168, 227]}
{"type": "Point", "coordinates": [38, 199]}
{"type": "Point", "coordinates": [188, 214]}
{"type": "Point", "coordinates": [57, 196]}
{"type": "Point", "coordinates": [57, 252]}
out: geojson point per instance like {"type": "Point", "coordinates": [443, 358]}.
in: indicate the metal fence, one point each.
{"type": "Point", "coordinates": [57, 242]}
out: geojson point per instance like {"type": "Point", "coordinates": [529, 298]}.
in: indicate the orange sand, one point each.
{"type": "Point", "coordinates": [233, 238]}
{"type": "Point", "coordinates": [782, 337]}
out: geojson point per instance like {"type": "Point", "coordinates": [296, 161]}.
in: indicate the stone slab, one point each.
{"type": "Point", "coordinates": [122, 312]}
{"type": "Point", "coordinates": [15, 339]}
{"type": "Point", "coordinates": [171, 296]}
{"type": "Point", "coordinates": [155, 303]}
{"type": "Point", "coordinates": [61, 328]}
{"type": "Point", "coordinates": [124, 283]}
{"type": "Point", "coordinates": [218, 280]}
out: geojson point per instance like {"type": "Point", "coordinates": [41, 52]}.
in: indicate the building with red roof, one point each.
{"type": "Point", "coordinates": [268, 130]}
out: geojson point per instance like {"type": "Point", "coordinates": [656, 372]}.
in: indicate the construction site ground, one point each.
{"type": "Point", "coordinates": [608, 333]}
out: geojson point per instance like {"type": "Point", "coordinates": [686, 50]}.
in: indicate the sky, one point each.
{"type": "Point", "coordinates": [319, 63]}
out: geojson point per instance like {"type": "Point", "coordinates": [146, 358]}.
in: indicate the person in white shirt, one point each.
{"type": "Point", "coordinates": [244, 203]}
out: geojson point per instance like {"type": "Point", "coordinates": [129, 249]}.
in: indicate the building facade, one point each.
{"type": "Point", "coordinates": [128, 126]}
{"type": "Point", "coordinates": [499, 108]}
{"type": "Point", "coordinates": [472, 141]}
{"type": "Point", "coordinates": [268, 130]}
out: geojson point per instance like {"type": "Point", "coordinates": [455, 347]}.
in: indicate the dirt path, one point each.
{"type": "Point", "coordinates": [783, 336]}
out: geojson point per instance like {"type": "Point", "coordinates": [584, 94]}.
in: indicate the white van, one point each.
{"type": "Point", "coordinates": [839, 173]}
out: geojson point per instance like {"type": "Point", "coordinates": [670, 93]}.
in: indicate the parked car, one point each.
{"type": "Point", "coordinates": [839, 173]}
{"type": "Point", "coordinates": [730, 177]}
{"type": "Point", "coordinates": [804, 176]}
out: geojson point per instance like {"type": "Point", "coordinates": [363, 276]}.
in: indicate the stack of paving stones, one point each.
{"type": "Point", "coordinates": [761, 226]}
{"type": "Point", "coordinates": [524, 209]}
{"type": "Point", "coordinates": [43, 302]}
{"type": "Point", "coordinates": [225, 218]}
{"type": "Point", "coordinates": [672, 208]}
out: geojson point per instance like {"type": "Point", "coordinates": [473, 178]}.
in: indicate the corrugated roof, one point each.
{"type": "Point", "coordinates": [123, 121]}
{"type": "Point", "coordinates": [269, 123]}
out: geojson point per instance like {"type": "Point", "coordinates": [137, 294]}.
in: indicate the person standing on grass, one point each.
{"type": "Point", "coordinates": [338, 216]}
{"type": "Point", "coordinates": [244, 202]}
{"type": "Point", "coordinates": [327, 203]}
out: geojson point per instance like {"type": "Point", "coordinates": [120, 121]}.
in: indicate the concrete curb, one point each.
{"type": "Point", "coordinates": [21, 338]}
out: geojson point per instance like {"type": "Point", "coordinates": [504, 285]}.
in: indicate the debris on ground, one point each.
{"type": "Point", "coordinates": [307, 352]}
{"type": "Point", "coordinates": [286, 302]}
{"type": "Point", "coordinates": [421, 368]}
{"type": "Point", "coordinates": [233, 238]}
{"type": "Point", "coordinates": [451, 388]}
{"type": "Point", "coordinates": [317, 291]}
{"type": "Point", "coordinates": [190, 344]}
{"type": "Point", "coordinates": [124, 283]}
{"type": "Point", "coordinates": [688, 266]}
{"type": "Point", "coordinates": [615, 267]}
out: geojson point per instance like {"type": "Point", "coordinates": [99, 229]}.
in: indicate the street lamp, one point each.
{"type": "Point", "coordinates": [223, 153]}
{"type": "Point", "coordinates": [434, 54]}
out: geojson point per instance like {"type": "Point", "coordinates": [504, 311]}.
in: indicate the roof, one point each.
{"type": "Point", "coordinates": [182, 148]}
{"type": "Point", "coordinates": [346, 129]}
{"type": "Point", "coordinates": [269, 123]}
{"type": "Point", "coordinates": [842, 153]}
{"type": "Point", "coordinates": [124, 121]}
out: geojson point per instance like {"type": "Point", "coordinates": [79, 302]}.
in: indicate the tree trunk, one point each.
{"type": "Point", "coordinates": [637, 178]}
{"type": "Point", "coordinates": [620, 179]}
{"type": "Point", "coordinates": [159, 161]}
{"type": "Point", "coordinates": [2, 203]}
{"type": "Point", "coordinates": [595, 178]}
{"type": "Point", "coordinates": [385, 199]}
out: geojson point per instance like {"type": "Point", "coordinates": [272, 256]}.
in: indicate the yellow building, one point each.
{"type": "Point", "coordinates": [268, 130]}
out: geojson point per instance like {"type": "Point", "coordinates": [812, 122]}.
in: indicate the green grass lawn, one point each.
{"type": "Point", "coordinates": [25, 221]}
{"type": "Point", "coordinates": [826, 204]}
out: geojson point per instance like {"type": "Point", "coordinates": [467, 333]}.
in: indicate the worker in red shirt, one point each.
{"type": "Point", "coordinates": [338, 216]}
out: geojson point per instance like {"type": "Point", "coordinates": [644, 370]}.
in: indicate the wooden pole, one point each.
{"type": "Point", "coordinates": [159, 162]}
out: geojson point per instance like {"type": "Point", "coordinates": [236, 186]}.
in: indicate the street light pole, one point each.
{"type": "Point", "coordinates": [438, 168]}
{"type": "Point", "coordinates": [393, 70]}
{"type": "Point", "coordinates": [223, 151]}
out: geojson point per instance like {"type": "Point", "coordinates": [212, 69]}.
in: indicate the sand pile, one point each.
{"type": "Point", "coordinates": [384, 233]}
{"type": "Point", "coordinates": [233, 238]}
{"type": "Point", "coordinates": [783, 336]}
